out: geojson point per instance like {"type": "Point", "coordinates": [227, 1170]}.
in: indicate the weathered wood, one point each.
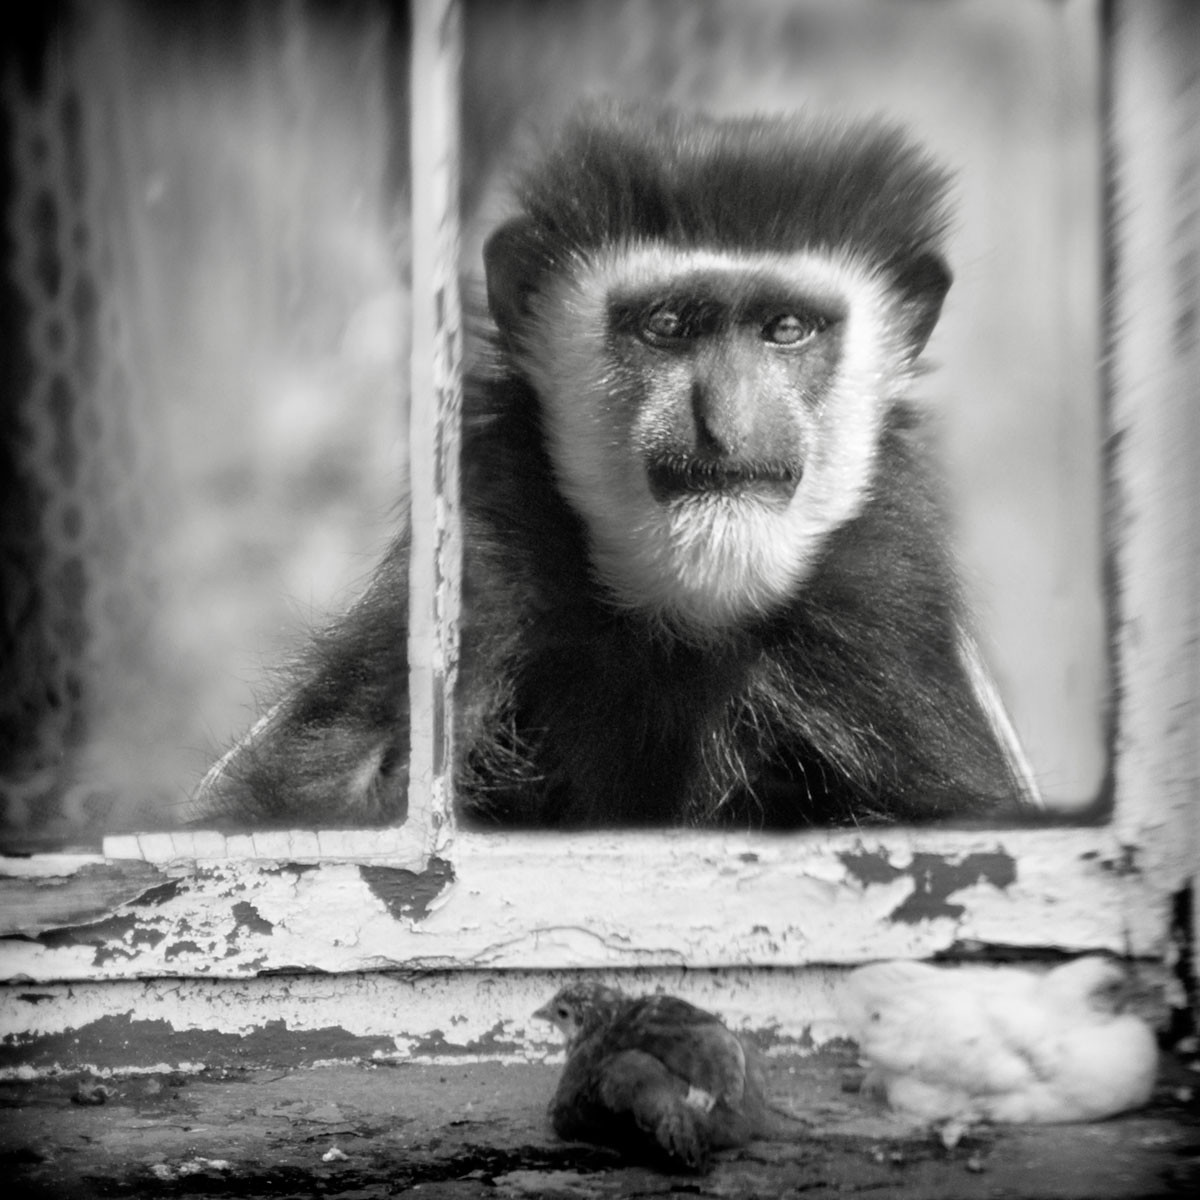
{"type": "Point", "coordinates": [623, 900]}
{"type": "Point", "coordinates": [444, 1016]}
{"type": "Point", "coordinates": [1155, 425]}
{"type": "Point", "coordinates": [223, 910]}
{"type": "Point", "coordinates": [435, 549]}
{"type": "Point", "coordinates": [70, 893]}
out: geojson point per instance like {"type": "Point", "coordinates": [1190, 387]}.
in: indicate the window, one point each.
{"type": "Point", "coordinates": [205, 906]}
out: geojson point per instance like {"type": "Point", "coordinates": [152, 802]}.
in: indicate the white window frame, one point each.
{"type": "Point", "coordinates": [203, 906]}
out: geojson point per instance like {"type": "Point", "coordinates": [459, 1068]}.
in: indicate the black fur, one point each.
{"type": "Point", "coordinates": [847, 705]}
{"type": "Point", "coordinates": [621, 173]}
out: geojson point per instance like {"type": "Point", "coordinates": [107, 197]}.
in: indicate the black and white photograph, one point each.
{"type": "Point", "coordinates": [600, 597]}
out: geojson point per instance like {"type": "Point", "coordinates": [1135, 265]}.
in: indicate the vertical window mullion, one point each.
{"type": "Point", "coordinates": [436, 547]}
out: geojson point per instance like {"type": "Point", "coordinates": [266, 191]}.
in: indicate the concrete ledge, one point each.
{"type": "Point", "coordinates": [479, 1130]}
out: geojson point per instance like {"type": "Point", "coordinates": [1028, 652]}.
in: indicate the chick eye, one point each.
{"type": "Point", "coordinates": [563, 1013]}
{"type": "Point", "coordinates": [788, 329]}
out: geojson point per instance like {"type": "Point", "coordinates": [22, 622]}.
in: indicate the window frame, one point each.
{"type": "Point", "coordinates": [427, 896]}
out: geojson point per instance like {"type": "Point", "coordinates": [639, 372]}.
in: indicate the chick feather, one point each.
{"type": "Point", "coordinates": [657, 1075]}
{"type": "Point", "coordinates": [954, 1046]}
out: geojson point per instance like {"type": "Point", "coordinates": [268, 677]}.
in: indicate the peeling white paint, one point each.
{"type": "Point", "coordinates": [452, 1017]}
{"type": "Point", "coordinates": [522, 902]}
{"type": "Point", "coordinates": [777, 912]}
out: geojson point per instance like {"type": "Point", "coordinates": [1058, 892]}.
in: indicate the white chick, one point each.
{"type": "Point", "coordinates": [955, 1046]}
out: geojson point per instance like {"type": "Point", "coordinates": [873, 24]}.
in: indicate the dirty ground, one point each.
{"type": "Point", "coordinates": [478, 1130]}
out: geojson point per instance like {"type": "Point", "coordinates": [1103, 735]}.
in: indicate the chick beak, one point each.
{"type": "Point", "coordinates": [545, 1013]}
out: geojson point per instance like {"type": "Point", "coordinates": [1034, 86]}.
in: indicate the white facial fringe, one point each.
{"type": "Point", "coordinates": [703, 564]}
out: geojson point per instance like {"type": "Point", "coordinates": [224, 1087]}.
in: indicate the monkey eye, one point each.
{"type": "Point", "coordinates": [790, 329]}
{"type": "Point", "coordinates": [664, 324]}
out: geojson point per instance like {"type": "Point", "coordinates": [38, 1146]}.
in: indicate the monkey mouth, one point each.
{"type": "Point", "coordinates": [682, 476]}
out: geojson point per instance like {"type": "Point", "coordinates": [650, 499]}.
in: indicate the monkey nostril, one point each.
{"type": "Point", "coordinates": [707, 441]}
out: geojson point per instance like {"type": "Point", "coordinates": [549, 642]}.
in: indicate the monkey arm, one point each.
{"type": "Point", "coordinates": [335, 747]}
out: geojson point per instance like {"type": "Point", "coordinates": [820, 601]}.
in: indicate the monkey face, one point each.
{"type": "Point", "coordinates": [712, 417]}
{"type": "Point", "coordinates": [726, 374]}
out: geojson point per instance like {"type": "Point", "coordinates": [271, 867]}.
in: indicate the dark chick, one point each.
{"type": "Point", "coordinates": [656, 1076]}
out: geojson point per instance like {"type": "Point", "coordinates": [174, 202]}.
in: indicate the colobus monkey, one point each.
{"type": "Point", "coordinates": [707, 580]}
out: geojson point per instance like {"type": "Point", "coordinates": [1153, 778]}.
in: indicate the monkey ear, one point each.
{"type": "Point", "coordinates": [922, 282]}
{"type": "Point", "coordinates": [510, 265]}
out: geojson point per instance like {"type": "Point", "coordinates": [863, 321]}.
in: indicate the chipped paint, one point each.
{"type": "Point", "coordinates": [67, 890]}
{"type": "Point", "coordinates": [520, 901]}
{"type": "Point", "coordinates": [114, 1043]}
{"type": "Point", "coordinates": [160, 894]}
{"type": "Point", "coordinates": [247, 917]}
{"type": "Point", "coordinates": [405, 893]}
{"type": "Point", "coordinates": [935, 878]}
{"type": "Point", "coordinates": [452, 1017]}
{"type": "Point", "coordinates": [119, 937]}
{"type": "Point", "coordinates": [499, 1042]}
{"type": "Point", "coordinates": [180, 950]}
{"type": "Point", "coordinates": [354, 959]}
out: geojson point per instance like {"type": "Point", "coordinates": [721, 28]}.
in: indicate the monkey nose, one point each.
{"type": "Point", "coordinates": [722, 419]}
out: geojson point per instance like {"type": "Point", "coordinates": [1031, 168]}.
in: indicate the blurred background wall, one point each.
{"type": "Point", "coordinates": [206, 304]}
{"type": "Point", "coordinates": [206, 276]}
